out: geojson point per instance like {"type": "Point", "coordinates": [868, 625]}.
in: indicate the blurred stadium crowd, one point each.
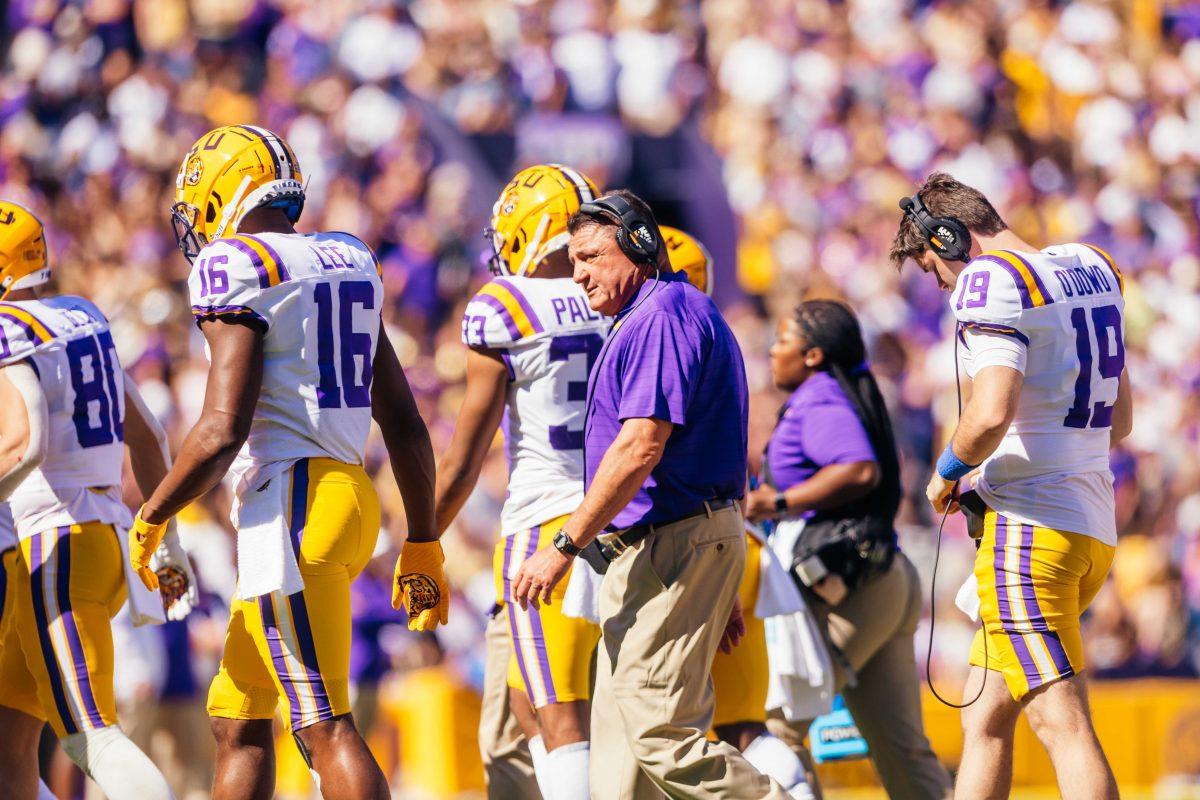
{"type": "Point", "coordinates": [780, 132]}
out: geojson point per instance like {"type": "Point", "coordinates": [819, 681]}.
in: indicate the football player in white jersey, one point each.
{"type": "Point", "coordinates": [532, 340]}
{"type": "Point", "coordinates": [1041, 338]}
{"type": "Point", "coordinates": [69, 410]}
{"type": "Point", "coordinates": [300, 364]}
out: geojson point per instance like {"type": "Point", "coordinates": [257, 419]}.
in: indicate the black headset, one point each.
{"type": "Point", "coordinates": [948, 237]}
{"type": "Point", "coordinates": [637, 235]}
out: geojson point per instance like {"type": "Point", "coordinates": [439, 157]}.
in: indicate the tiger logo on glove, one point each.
{"type": "Point", "coordinates": [421, 592]}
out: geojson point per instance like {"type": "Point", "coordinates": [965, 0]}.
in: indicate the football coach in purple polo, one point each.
{"type": "Point", "coordinates": [665, 455]}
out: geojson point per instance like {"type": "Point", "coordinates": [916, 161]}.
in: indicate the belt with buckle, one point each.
{"type": "Point", "coordinates": [599, 556]}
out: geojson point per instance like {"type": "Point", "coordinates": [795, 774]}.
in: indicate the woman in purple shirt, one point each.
{"type": "Point", "coordinates": [831, 462]}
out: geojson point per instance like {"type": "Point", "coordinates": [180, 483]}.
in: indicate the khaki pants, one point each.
{"type": "Point", "coordinates": [874, 629]}
{"type": "Point", "coordinates": [663, 607]}
{"type": "Point", "coordinates": [506, 760]}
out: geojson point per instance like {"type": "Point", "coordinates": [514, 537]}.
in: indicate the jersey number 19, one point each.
{"type": "Point", "coordinates": [1110, 362]}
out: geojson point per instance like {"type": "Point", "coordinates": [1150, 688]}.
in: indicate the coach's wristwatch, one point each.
{"type": "Point", "coordinates": [781, 503]}
{"type": "Point", "coordinates": [564, 545]}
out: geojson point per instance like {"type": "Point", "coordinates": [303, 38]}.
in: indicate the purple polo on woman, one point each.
{"type": "Point", "coordinates": [818, 427]}
{"type": "Point", "coordinates": [672, 357]}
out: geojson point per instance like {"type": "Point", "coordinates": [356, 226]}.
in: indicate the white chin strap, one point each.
{"type": "Point", "coordinates": [31, 280]}
{"type": "Point", "coordinates": [231, 212]}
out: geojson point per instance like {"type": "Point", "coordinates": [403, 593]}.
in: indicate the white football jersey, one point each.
{"type": "Point", "coordinates": [318, 298]}
{"type": "Point", "coordinates": [68, 343]}
{"type": "Point", "coordinates": [549, 338]}
{"type": "Point", "coordinates": [8, 530]}
{"type": "Point", "coordinates": [1058, 317]}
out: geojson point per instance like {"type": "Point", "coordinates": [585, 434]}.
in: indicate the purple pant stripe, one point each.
{"type": "Point", "coordinates": [266, 607]}
{"type": "Point", "coordinates": [299, 515]}
{"type": "Point", "coordinates": [1058, 654]}
{"type": "Point", "coordinates": [513, 610]}
{"type": "Point", "coordinates": [1033, 608]}
{"type": "Point", "coordinates": [1028, 666]}
{"type": "Point", "coordinates": [36, 573]}
{"type": "Point", "coordinates": [523, 303]}
{"type": "Point", "coordinates": [308, 657]}
{"type": "Point", "coordinates": [539, 637]}
{"type": "Point", "coordinates": [264, 279]}
{"type": "Point", "coordinates": [83, 678]}
{"type": "Point", "coordinates": [509, 322]}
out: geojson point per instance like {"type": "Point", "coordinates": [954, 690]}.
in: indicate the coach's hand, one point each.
{"type": "Point", "coordinates": [538, 576]}
{"type": "Point", "coordinates": [942, 493]}
{"type": "Point", "coordinates": [144, 539]}
{"type": "Point", "coordinates": [735, 629]}
{"type": "Point", "coordinates": [420, 584]}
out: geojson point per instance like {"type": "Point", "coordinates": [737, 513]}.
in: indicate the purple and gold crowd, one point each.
{"type": "Point", "coordinates": [779, 132]}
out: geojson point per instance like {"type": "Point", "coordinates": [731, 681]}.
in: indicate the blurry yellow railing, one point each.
{"type": "Point", "coordinates": [426, 738]}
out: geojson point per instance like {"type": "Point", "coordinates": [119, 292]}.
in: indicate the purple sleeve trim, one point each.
{"type": "Point", "coordinates": [242, 312]}
{"type": "Point", "coordinates": [507, 359]}
{"type": "Point", "coordinates": [1002, 330]}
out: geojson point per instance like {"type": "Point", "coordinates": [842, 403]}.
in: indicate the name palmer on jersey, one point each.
{"type": "Point", "coordinates": [317, 297]}
{"type": "Point", "coordinates": [1057, 316]}
{"type": "Point", "coordinates": [548, 338]}
{"type": "Point", "coordinates": [67, 341]}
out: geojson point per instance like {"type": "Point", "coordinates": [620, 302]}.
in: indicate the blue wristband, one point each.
{"type": "Point", "coordinates": [951, 467]}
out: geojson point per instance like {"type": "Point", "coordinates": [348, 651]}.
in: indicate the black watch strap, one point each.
{"type": "Point", "coordinates": [781, 503]}
{"type": "Point", "coordinates": [564, 545]}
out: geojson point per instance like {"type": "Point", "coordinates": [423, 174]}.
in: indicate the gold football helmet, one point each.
{"type": "Point", "coordinates": [529, 221]}
{"type": "Point", "coordinates": [688, 255]}
{"type": "Point", "coordinates": [23, 260]}
{"type": "Point", "coordinates": [228, 173]}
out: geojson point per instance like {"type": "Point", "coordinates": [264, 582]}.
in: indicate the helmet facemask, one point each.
{"type": "Point", "coordinates": [187, 238]}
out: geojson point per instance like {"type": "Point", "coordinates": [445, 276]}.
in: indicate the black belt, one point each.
{"type": "Point", "coordinates": [601, 555]}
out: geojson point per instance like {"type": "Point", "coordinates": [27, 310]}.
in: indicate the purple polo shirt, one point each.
{"type": "Point", "coordinates": [819, 427]}
{"type": "Point", "coordinates": [672, 357]}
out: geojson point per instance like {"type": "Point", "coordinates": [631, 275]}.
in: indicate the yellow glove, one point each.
{"type": "Point", "coordinates": [421, 585]}
{"type": "Point", "coordinates": [144, 539]}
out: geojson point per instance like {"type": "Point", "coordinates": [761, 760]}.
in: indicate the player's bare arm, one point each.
{"type": "Point", "coordinates": [394, 408]}
{"type": "Point", "coordinates": [626, 464]}
{"type": "Point", "coordinates": [482, 409]}
{"type": "Point", "coordinates": [150, 458]}
{"type": "Point", "coordinates": [230, 397]}
{"type": "Point", "coordinates": [985, 419]}
{"type": "Point", "coordinates": [23, 426]}
{"type": "Point", "coordinates": [146, 440]}
{"type": "Point", "coordinates": [1122, 418]}
{"type": "Point", "coordinates": [419, 582]}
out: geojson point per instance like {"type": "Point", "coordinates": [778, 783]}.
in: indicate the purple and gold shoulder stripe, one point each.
{"type": "Point", "coordinates": [512, 306]}
{"type": "Point", "coordinates": [35, 330]}
{"type": "Point", "coordinates": [1112, 265]}
{"type": "Point", "coordinates": [1032, 291]}
{"type": "Point", "coordinates": [266, 261]}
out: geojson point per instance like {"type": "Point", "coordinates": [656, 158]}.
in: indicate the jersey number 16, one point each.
{"type": "Point", "coordinates": [349, 391]}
